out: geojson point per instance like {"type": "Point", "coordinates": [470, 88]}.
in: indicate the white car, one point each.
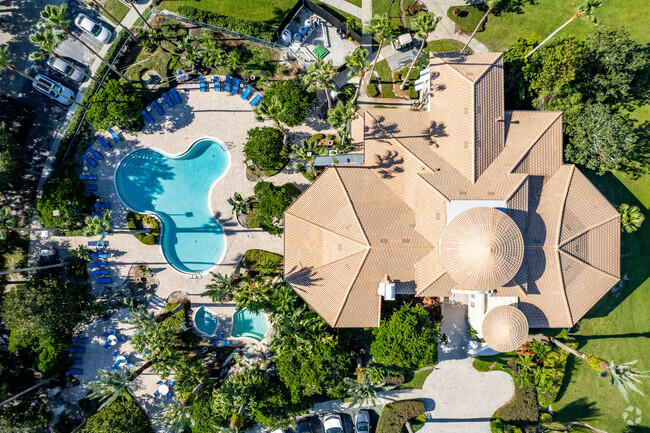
{"type": "Point", "coordinates": [93, 28]}
{"type": "Point", "coordinates": [362, 422]}
{"type": "Point", "coordinates": [54, 85]}
{"type": "Point", "coordinates": [64, 69]}
{"type": "Point", "coordinates": [333, 423]}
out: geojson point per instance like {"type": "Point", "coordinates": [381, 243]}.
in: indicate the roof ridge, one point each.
{"type": "Point", "coordinates": [588, 229]}
{"type": "Point", "coordinates": [564, 295]}
{"type": "Point", "coordinates": [354, 280]}
{"type": "Point", "coordinates": [582, 262]}
{"type": "Point", "coordinates": [349, 200]}
{"type": "Point", "coordinates": [436, 278]}
{"type": "Point", "coordinates": [444, 62]}
{"type": "Point", "coordinates": [330, 231]}
{"type": "Point", "coordinates": [534, 142]}
{"type": "Point", "coordinates": [563, 206]}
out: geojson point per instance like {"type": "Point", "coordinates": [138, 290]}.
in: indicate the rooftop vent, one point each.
{"type": "Point", "coordinates": [387, 289]}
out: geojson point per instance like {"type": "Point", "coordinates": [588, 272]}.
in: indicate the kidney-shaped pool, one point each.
{"type": "Point", "coordinates": [177, 189]}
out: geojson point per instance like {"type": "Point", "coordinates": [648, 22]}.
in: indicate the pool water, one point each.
{"type": "Point", "coordinates": [247, 324]}
{"type": "Point", "coordinates": [205, 321]}
{"type": "Point", "coordinates": [177, 190]}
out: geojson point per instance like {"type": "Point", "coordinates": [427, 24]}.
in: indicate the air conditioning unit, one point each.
{"type": "Point", "coordinates": [387, 289]}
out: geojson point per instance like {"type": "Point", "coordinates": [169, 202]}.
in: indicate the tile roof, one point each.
{"type": "Point", "coordinates": [358, 223]}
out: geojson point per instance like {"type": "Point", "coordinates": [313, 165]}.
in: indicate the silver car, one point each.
{"type": "Point", "coordinates": [362, 422]}
{"type": "Point", "coordinates": [54, 85]}
{"type": "Point", "coordinates": [66, 70]}
{"type": "Point", "coordinates": [93, 28]}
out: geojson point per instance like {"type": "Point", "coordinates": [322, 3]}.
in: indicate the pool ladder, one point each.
{"type": "Point", "coordinates": [196, 276]}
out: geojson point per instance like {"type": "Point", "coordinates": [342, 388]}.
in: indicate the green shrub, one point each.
{"type": "Point", "coordinates": [117, 104]}
{"type": "Point", "coordinates": [295, 100]}
{"type": "Point", "coordinates": [256, 29]}
{"type": "Point", "coordinates": [371, 88]}
{"type": "Point", "coordinates": [394, 415]}
{"type": "Point", "coordinates": [68, 196]}
{"type": "Point", "coordinates": [265, 148]}
{"type": "Point", "coordinates": [316, 137]}
{"type": "Point", "coordinates": [522, 409]}
{"type": "Point", "coordinates": [253, 257]}
{"type": "Point", "coordinates": [135, 222]}
{"type": "Point", "coordinates": [123, 415]}
{"type": "Point", "coordinates": [554, 367]}
{"type": "Point", "coordinates": [170, 47]}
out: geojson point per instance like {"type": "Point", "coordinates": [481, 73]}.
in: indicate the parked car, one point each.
{"type": "Point", "coordinates": [66, 70]}
{"type": "Point", "coordinates": [303, 427]}
{"type": "Point", "coordinates": [93, 28]}
{"type": "Point", "coordinates": [333, 423]}
{"type": "Point", "coordinates": [362, 422]}
{"type": "Point", "coordinates": [54, 85]}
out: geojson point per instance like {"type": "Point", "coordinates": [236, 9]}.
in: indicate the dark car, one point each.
{"type": "Point", "coordinates": [303, 427]}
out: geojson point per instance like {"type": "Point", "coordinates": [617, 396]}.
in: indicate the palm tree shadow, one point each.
{"type": "Point", "coordinates": [581, 409]}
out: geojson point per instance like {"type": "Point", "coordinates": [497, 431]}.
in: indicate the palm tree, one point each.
{"type": "Point", "coordinates": [623, 377]}
{"type": "Point", "coordinates": [254, 294]}
{"type": "Point", "coordinates": [382, 27]}
{"type": "Point", "coordinates": [119, 23]}
{"type": "Point", "coordinates": [175, 416]}
{"type": "Point", "coordinates": [56, 18]}
{"type": "Point", "coordinates": [270, 109]}
{"type": "Point", "coordinates": [340, 117]}
{"type": "Point", "coordinates": [110, 386]}
{"type": "Point", "coordinates": [602, 365]}
{"type": "Point", "coordinates": [350, 25]}
{"type": "Point", "coordinates": [221, 289]}
{"type": "Point", "coordinates": [134, 7]}
{"type": "Point", "coordinates": [267, 267]}
{"type": "Point", "coordinates": [363, 391]}
{"type": "Point", "coordinates": [308, 151]}
{"type": "Point", "coordinates": [491, 5]}
{"type": "Point", "coordinates": [526, 363]}
{"type": "Point", "coordinates": [233, 60]}
{"type": "Point", "coordinates": [47, 41]}
{"type": "Point", "coordinates": [423, 24]}
{"type": "Point", "coordinates": [631, 218]}
{"type": "Point", "coordinates": [319, 76]}
{"type": "Point", "coordinates": [5, 55]}
{"type": "Point", "coordinates": [358, 64]}
{"type": "Point", "coordinates": [585, 10]}
{"type": "Point", "coordinates": [240, 205]}
{"type": "Point", "coordinates": [96, 225]}
{"type": "Point", "coordinates": [142, 320]}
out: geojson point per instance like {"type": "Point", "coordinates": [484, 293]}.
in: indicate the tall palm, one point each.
{"type": "Point", "coordinates": [270, 109]}
{"type": "Point", "coordinates": [254, 294]}
{"type": "Point", "coordinates": [109, 386]}
{"type": "Point", "coordinates": [267, 267]}
{"type": "Point", "coordinates": [358, 64]}
{"type": "Point", "coordinates": [308, 151]}
{"type": "Point", "coordinates": [240, 205]}
{"type": "Point", "coordinates": [423, 24]}
{"type": "Point", "coordinates": [142, 320]}
{"type": "Point", "coordinates": [631, 217]}
{"type": "Point", "coordinates": [320, 75]}
{"type": "Point", "coordinates": [382, 27]}
{"type": "Point", "coordinates": [363, 391]}
{"type": "Point", "coordinates": [602, 365]}
{"type": "Point", "coordinates": [585, 10]}
{"type": "Point", "coordinates": [115, 20]}
{"type": "Point", "coordinates": [96, 225]}
{"type": "Point", "coordinates": [56, 18]}
{"type": "Point", "coordinates": [5, 55]}
{"type": "Point", "coordinates": [175, 416]}
{"type": "Point", "coordinates": [134, 7]}
{"type": "Point", "coordinates": [48, 41]}
{"type": "Point", "coordinates": [221, 289]}
{"type": "Point", "coordinates": [623, 377]}
{"type": "Point", "coordinates": [340, 117]}
{"type": "Point", "coordinates": [491, 5]}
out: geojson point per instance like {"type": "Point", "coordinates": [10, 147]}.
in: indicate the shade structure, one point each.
{"type": "Point", "coordinates": [505, 328]}
{"type": "Point", "coordinates": [481, 248]}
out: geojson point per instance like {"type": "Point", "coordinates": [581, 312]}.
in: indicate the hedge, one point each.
{"type": "Point", "coordinates": [371, 89]}
{"type": "Point", "coordinates": [134, 222]}
{"type": "Point", "coordinates": [258, 30]}
{"type": "Point", "coordinates": [394, 415]}
{"type": "Point", "coordinates": [253, 257]}
{"type": "Point", "coordinates": [522, 410]}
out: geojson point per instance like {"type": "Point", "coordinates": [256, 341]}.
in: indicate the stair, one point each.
{"type": "Point", "coordinates": [157, 303]}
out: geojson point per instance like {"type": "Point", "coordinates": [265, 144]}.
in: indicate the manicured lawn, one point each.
{"type": "Point", "coordinates": [117, 9]}
{"type": "Point", "coordinates": [445, 45]}
{"type": "Point", "coordinates": [469, 17]}
{"type": "Point", "coordinates": [386, 78]}
{"type": "Point", "coordinates": [617, 327]}
{"type": "Point", "coordinates": [272, 11]}
{"type": "Point", "coordinates": [355, 2]}
{"type": "Point", "coordinates": [415, 380]}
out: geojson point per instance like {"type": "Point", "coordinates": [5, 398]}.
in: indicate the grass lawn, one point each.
{"type": "Point", "coordinates": [340, 15]}
{"type": "Point", "coordinates": [272, 11]}
{"type": "Point", "coordinates": [617, 327]}
{"type": "Point", "coordinates": [415, 380]}
{"type": "Point", "coordinates": [445, 45]}
{"type": "Point", "coordinates": [117, 9]}
{"type": "Point", "coordinates": [469, 17]}
{"type": "Point", "coordinates": [383, 70]}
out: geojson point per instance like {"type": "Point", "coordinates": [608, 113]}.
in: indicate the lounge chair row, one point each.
{"type": "Point", "coordinates": [230, 85]}
{"type": "Point", "coordinates": [171, 98]}
{"type": "Point", "coordinates": [97, 155]}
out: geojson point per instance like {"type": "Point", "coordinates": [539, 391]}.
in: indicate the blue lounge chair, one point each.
{"type": "Point", "coordinates": [213, 341]}
{"type": "Point", "coordinates": [97, 243]}
{"type": "Point", "coordinates": [88, 177]}
{"type": "Point", "coordinates": [97, 255]}
{"type": "Point", "coordinates": [202, 83]}
{"type": "Point", "coordinates": [157, 107]}
{"type": "Point", "coordinates": [104, 334]}
{"type": "Point", "coordinates": [246, 93]}
{"type": "Point", "coordinates": [77, 362]}
{"type": "Point", "coordinates": [79, 340]}
{"type": "Point", "coordinates": [74, 371]}
{"type": "Point", "coordinates": [107, 345]}
{"type": "Point", "coordinates": [77, 350]}
{"type": "Point", "coordinates": [115, 354]}
{"type": "Point", "coordinates": [114, 134]}
{"type": "Point", "coordinates": [170, 382]}
{"type": "Point", "coordinates": [90, 161]}
{"type": "Point", "coordinates": [169, 395]}
{"type": "Point", "coordinates": [103, 281]}
{"type": "Point", "coordinates": [226, 87]}
{"type": "Point", "coordinates": [102, 205]}
{"type": "Point", "coordinates": [96, 265]}
{"type": "Point", "coordinates": [97, 214]}
{"type": "Point", "coordinates": [235, 87]}
{"type": "Point", "coordinates": [175, 96]}
{"type": "Point", "coordinates": [93, 152]}
{"type": "Point", "coordinates": [91, 187]}
{"type": "Point", "coordinates": [156, 394]}
{"type": "Point", "coordinates": [103, 142]}
{"type": "Point", "coordinates": [147, 116]}
{"type": "Point", "coordinates": [101, 272]}
{"type": "Point", "coordinates": [122, 338]}
{"type": "Point", "coordinates": [255, 100]}
{"type": "Point", "coordinates": [112, 331]}
{"type": "Point", "coordinates": [160, 382]}
{"type": "Point", "coordinates": [167, 99]}
{"type": "Point", "coordinates": [217, 85]}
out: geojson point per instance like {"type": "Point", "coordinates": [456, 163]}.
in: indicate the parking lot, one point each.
{"type": "Point", "coordinates": [316, 421]}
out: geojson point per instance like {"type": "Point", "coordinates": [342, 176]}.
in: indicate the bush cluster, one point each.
{"type": "Point", "coordinates": [522, 409]}
{"type": "Point", "coordinates": [371, 89]}
{"type": "Point", "coordinates": [253, 257]}
{"type": "Point", "coordinates": [258, 30]}
{"type": "Point", "coordinates": [136, 222]}
{"type": "Point", "coordinates": [394, 415]}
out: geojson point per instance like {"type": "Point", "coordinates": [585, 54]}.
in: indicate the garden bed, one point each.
{"type": "Point", "coordinates": [137, 221]}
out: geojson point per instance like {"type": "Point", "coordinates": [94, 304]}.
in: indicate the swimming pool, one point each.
{"type": "Point", "coordinates": [205, 321]}
{"type": "Point", "coordinates": [177, 189]}
{"type": "Point", "coordinates": [250, 325]}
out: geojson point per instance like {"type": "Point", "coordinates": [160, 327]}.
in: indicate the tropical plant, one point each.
{"type": "Point", "coordinates": [221, 289]}
{"type": "Point", "coordinates": [423, 24]}
{"type": "Point", "coordinates": [5, 64]}
{"type": "Point", "coordinates": [340, 117]}
{"type": "Point", "coordinates": [540, 349]}
{"type": "Point", "coordinates": [7, 222]}
{"type": "Point", "coordinates": [363, 391]}
{"type": "Point", "coordinates": [320, 75]}
{"type": "Point", "coordinates": [264, 148]}
{"type": "Point", "coordinates": [233, 61]}
{"type": "Point", "coordinates": [350, 25]}
{"type": "Point", "coordinates": [109, 386]}
{"type": "Point", "coordinates": [142, 320]}
{"type": "Point", "coordinates": [240, 205]}
{"type": "Point", "coordinates": [68, 197]}
{"type": "Point", "coordinates": [524, 379]}
{"type": "Point", "coordinates": [491, 5]}
{"type": "Point", "coordinates": [358, 64]}
{"type": "Point", "coordinates": [267, 267]}
{"type": "Point", "coordinates": [96, 225]}
{"type": "Point", "coordinates": [55, 17]}
{"type": "Point", "coordinates": [81, 253]}
{"type": "Point", "coordinates": [175, 417]}
{"type": "Point", "coordinates": [584, 10]}
{"type": "Point", "coordinates": [253, 294]}
{"type": "Point", "coordinates": [308, 151]}
{"type": "Point", "coordinates": [382, 27]}
{"type": "Point", "coordinates": [631, 217]}
{"type": "Point", "coordinates": [293, 97]}
{"type": "Point", "coordinates": [526, 363]}
{"type": "Point", "coordinates": [48, 42]}
{"type": "Point", "coordinates": [193, 55]}
{"type": "Point", "coordinates": [269, 109]}
{"type": "Point", "coordinates": [624, 376]}
{"type": "Point", "coordinates": [116, 104]}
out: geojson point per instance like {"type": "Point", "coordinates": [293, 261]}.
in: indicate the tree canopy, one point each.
{"type": "Point", "coordinates": [272, 201]}
{"type": "Point", "coordinates": [11, 163]}
{"type": "Point", "coordinates": [295, 100]}
{"type": "Point", "coordinates": [265, 148]}
{"type": "Point", "coordinates": [68, 196]}
{"type": "Point", "coordinates": [123, 415]}
{"type": "Point", "coordinates": [407, 340]}
{"type": "Point", "coordinates": [117, 104]}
